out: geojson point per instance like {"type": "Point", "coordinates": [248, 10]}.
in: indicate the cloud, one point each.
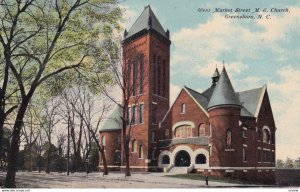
{"type": "Point", "coordinates": [174, 91]}
{"type": "Point", "coordinates": [286, 110]}
{"type": "Point", "coordinates": [263, 42]}
{"type": "Point", "coordinates": [285, 97]}
{"type": "Point", "coordinates": [129, 16]}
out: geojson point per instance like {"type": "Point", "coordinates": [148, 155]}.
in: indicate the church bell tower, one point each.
{"type": "Point", "coordinates": [146, 61]}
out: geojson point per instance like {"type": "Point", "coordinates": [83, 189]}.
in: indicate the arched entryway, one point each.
{"type": "Point", "coordinates": [182, 159]}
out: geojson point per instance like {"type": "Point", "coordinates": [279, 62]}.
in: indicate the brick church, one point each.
{"type": "Point", "coordinates": [218, 132]}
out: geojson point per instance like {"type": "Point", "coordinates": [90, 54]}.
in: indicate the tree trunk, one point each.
{"type": "Point", "coordinates": [30, 158]}
{"type": "Point", "coordinates": [1, 135]}
{"type": "Point", "coordinates": [14, 147]}
{"type": "Point", "coordinates": [105, 170]}
{"type": "Point", "coordinates": [47, 169]}
{"type": "Point", "coordinates": [127, 166]}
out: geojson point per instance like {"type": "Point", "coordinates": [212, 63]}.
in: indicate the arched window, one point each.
{"type": "Point", "coordinates": [266, 136]}
{"type": "Point", "coordinates": [228, 139]}
{"type": "Point", "coordinates": [166, 159]}
{"type": "Point", "coordinates": [103, 140]}
{"type": "Point", "coordinates": [183, 131]}
{"type": "Point", "coordinates": [141, 73]}
{"type": "Point", "coordinates": [259, 135]}
{"type": "Point", "coordinates": [200, 159]}
{"type": "Point", "coordinates": [201, 130]}
{"type": "Point", "coordinates": [183, 108]}
{"type": "Point", "coordinates": [134, 146]}
{"type": "Point", "coordinates": [141, 152]}
{"type": "Point", "coordinates": [154, 66]}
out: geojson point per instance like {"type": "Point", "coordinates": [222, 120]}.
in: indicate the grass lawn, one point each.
{"type": "Point", "coordinates": [197, 176]}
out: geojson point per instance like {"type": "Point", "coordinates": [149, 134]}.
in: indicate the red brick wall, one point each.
{"type": "Point", "coordinates": [111, 145]}
{"type": "Point", "coordinates": [193, 113]}
{"type": "Point", "coordinates": [265, 118]}
{"type": "Point", "coordinates": [221, 119]}
{"type": "Point", "coordinates": [148, 45]}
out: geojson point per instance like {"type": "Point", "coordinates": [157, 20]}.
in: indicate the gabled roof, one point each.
{"type": "Point", "coordinates": [224, 93]}
{"type": "Point", "coordinates": [147, 20]}
{"type": "Point", "coordinates": [208, 92]}
{"type": "Point", "coordinates": [198, 97]}
{"type": "Point", "coordinates": [251, 100]}
{"type": "Point", "coordinates": [114, 121]}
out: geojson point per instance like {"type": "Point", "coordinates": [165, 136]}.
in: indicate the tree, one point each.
{"type": "Point", "coordinates": [61, 138]}
{"type": "Point", "coordinates": [279, 163]}
{"type": "Point", "coordinates": [125, 77]}
{"type": "Point", "coordinates": [288, 163]}
{"type": "Point", "coordinates": [68, 99]}
{"type": "Point", "coordinates": [50, 38]}
{"type": "Point", "coordinates": [31, 131]}
{"type": "Point", "coordinates": [5, 147]}
{"type": "Point", "coordinates": [51, 156]}
{"type": "Point", "coordinates": [88, 113]}
{"type": "Point", "coordinates": [48, 122]}
{"type": "Point", "coordinates": [297, 163]}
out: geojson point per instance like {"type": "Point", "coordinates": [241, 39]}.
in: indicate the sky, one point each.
{"type": "Point", "coordinates": [255, 52]}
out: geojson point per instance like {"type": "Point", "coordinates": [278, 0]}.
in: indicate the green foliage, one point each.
{"type": "Point", "coordinates": [94, 158]}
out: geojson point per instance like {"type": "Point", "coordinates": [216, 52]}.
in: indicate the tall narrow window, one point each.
{"type": "Point", "coordinates": [228, 139]}
{"type": "Point", "coordinates": [134, 108]}
{"type": "Point", "coordinates": [244, 153]}
{"type": "Point", "coordinates": [164, 80]}
{"type": "Point", "coordinates": [259, 135]}
{"type": "Point", "coordinates": [202, 130]}
{"type": "Point", "coordinates": [141, 113]}
{"type": "Point", "coordinates": [119, 140]}
{"type": "Point", "coordinates": [183, 108]}
{"type": "Point", "coordinates": [103, 142]}
{"type": "Point", "coordinates": [128, 78]}
{"type": "Point", "coordinates": [154, 74]}
{"type": "Point", "coordinates": [265, 155]}
{"type": "Point", "coordinates": [158, 76]}
{"type": "Point", "coordinates": [141, 152]}
{"type": "Point", "coordinates": [154, 120]}
{"type": "Point", "coordinates": [153, 136]}
{"type": "Point", "coordinates": [167, 133]}
{"type": "Point", "coordinates": [259, 155]}
{"type": "Point", "coordinates": [128, 116]}
{"type": "Point", "coordinates": [244, 132]}
{"type": "Point", "coordinates": [135, 73]}
{"type": "Point", "coordinates": [266, 136]}
{"type": "Point", "coordinates": [141, 73]}
{"type": "Point", "coordinates": [134, 146]}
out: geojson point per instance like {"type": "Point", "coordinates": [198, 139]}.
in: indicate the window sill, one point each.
{"type": "Point", "coordinates": [229, 149]}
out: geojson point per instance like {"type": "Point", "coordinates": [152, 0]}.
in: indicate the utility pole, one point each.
{"type": "Point", "coordinates": [68, 150]}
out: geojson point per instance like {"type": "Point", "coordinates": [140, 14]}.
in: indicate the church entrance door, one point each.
{"type": "Point", "coordinates": [182, 159]}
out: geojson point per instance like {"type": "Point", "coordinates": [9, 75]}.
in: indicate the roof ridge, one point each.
{"type": "Point", "coordinates": [251, 89]}
{"type": "Point", "coordinates": [194, 90]}
{"type": "Point", "coordinates": [139, 17]}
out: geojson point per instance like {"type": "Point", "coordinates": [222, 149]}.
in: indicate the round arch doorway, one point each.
{"type": "Point", "coordinates": [182, 159]}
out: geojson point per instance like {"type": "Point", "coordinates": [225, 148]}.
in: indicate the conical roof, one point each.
{"type": "Point", "coordinates": [114, 121]}
{"type": "Point", "coordinates": [216, 73]}
{"type": "Point", "coordinates": [147, 20]}
{"type": "Point", "coordinates": [224, 93]}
